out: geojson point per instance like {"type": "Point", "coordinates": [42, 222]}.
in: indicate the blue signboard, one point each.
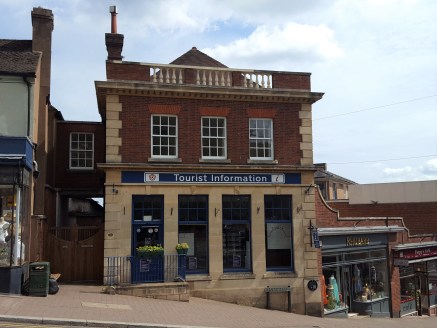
{"type": "Point", "coordinates": [209, 178]}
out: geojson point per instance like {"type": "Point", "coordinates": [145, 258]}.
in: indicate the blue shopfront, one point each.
{"type": "Point", "coordinates": [16, 166]}
{"type": "Point", "coordinates": [193, 211]}
{"type": "Point", "coordinates": [355, 277]}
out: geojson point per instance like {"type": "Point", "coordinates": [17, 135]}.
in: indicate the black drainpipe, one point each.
{"type": "Point", "coordinates": [28, 105]}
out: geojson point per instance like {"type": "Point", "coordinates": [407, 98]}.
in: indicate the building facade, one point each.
{"type": "Point", "coordinates": [379, 250]}
{"type": "Point", "coordinates": [331, 186]}
{"type": "Point", "coordinates": [24, 90]}
{"type": "Point", "coordinates": [218, 158]}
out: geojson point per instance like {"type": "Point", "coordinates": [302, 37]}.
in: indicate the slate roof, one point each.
{"type": "Point", "coordinates": [196, 57]}
{"type": "Point", "coordinates": [322, 174]}
{"type": "Point", "coordinates": [17, 57]}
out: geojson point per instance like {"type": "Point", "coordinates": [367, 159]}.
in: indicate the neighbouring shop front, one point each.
{"type": "Point", "coordinates": [418, 278]}
{"type": "Point", "coordinates": [355, 277]}
{"type": "Point", "coordinates": [15, 181]}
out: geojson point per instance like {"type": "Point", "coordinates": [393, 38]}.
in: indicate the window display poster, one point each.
{"type": "Point", "coordinates": [189, 239]}
{"type": "Point", "coordinates": [236, 261]}
{"type": "Point", "coordinates": [192, 263]}
{"type": "Point", "coordinates": [278, 236]}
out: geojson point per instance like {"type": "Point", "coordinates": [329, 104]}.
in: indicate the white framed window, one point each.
{"type": "Point", "coordinates": [260, 138]}
{"type": "Point", "coordinates": [214, 137]}
{"type": "Point", "coordinates": [81, 151]}
{"type": "Point", "coordinates": [164, 136]}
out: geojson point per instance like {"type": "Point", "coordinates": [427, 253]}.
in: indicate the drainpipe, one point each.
{"type": "Point", "coordinates": [28, 105]}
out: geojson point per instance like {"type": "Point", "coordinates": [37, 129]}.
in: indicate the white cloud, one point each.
{"type": "Point", "coordinates": [271, 45]}
{"type": "Point", "coordinates": [361, 53]}
{"type": "Point", "coordinates": [425, 171]}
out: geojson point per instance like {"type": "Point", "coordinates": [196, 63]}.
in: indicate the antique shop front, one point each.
{"type": "Point", "coordinates": [15, 180]}
{"type": "Point", "coordinates": [418, 277]}
{"type": "Point", "coordinates": [355, 271]}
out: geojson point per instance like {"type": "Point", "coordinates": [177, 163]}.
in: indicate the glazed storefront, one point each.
{"type": "Point", "coordinates": [355, 272]}
{"type": "Point", "coordinates": [244, 231]}
{"type": "Point", "coordinates": [15, 181]}
{"type": "Point", "coordinates": [418, 277]}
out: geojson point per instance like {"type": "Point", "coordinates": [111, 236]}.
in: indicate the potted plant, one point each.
{"type": "Point", "coordinates": [182, 248]}
{"type": "Point", "coordinates": [150, 251]}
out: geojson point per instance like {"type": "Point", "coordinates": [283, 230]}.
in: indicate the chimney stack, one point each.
{"type": "Point", "coordinates": [42, 28]}
{"type": "Point", "coordinates": [113, 11]}
{"type": "Point", "coordinates": [114, 41]}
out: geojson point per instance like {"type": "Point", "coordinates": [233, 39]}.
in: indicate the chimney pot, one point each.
{"type": "Point", "coordinates": [113, 11]}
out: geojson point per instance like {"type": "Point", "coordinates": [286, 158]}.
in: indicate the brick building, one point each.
{"type": "Point", "coordinates": [219, 158]}
{"type": "Point", "coordinates": [331, 185]}
{"type": "Point", "coordinates": [24, 93]}
{"type": "Point", "coordinates": [381, 248]}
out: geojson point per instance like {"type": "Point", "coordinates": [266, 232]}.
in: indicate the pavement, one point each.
{"type": "Point", "coordinates": [87, 305]}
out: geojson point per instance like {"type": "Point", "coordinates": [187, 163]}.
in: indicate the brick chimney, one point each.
{"type": "Point", "coordinates": [42, 28]}
{"type": "Point", "coordinates": [113, 40]}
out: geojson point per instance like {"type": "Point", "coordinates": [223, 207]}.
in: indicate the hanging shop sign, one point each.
{"type": "Point", "coordinates": [209, 178]}
{"type": "Point", "coordinates": [400, 262]}
{"type": "Point", "coordinates": [315, 240]}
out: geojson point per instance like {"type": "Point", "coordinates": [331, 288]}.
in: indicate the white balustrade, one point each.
{"type": "Point", "coordinates": [174, 74]}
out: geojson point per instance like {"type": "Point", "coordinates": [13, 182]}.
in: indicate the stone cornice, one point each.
{"type": "Point", "coordinates": [168, 167]}
{"type": "Point", "coordinates": [148, 89]}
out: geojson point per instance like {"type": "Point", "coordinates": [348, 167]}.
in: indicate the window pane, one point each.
{"type": "Point", "coordinates": [278, 232]}
{"type": "Point", "coordinates": [164, 136]}
{"type": "Point", "coordinates": [260, 138]}
{"type": "Point", "coordinates": [236, 234]}
{"type": "Point", "coordinates": [194, 209]}
{"type": "Point", "coordinates": [197, 238]}
{"type": "Point", "coordinates": [81, 150]}
{"type": "Point", "coordinates": [213, 137]}
{"type": "Point", "coordinates": [236, 247]}
{"type": "Point", "coordinates": [278, 246]}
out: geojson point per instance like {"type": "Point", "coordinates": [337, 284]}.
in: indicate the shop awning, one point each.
{"type": "Point", "coordinates": [358, 230]}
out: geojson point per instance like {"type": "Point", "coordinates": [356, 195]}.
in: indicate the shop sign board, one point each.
{"type": "Point", "coordinates": [209, 178]}
{"type": "Point", "coordinates": [357, 241]}
{"type": "Point", "coordinates": [417, 253]}
{"type": "Point", "coordinates": [353, 241]}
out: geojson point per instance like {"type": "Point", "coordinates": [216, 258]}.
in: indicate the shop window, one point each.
{"type": "Point", "coordinates": [193, 230]}
{"type": "Point", "coordinates": [410, 294]}
{"type": "Point", "coordinates": [278, 232]}
{"type": "Point", "coordinates": [14, 225]}
{"type": "Point", "coordinates": [164, 136]}
{"type": "Point", "coordinates": [81, 151]}
{"type": "Point", "coordinates": [148, 208]}
{"type": "Point", "coordinates": [148, 221]}
{"type": "Point", "coordinates": [236, 233]}
{"type": "Point", "coordinates": [261, 139]}
{"type": "Point", "coordinates": [432, 283]}
{"type": "Point", "coordinates": [213, 138]}
{"type": "Point", "coordinates": [354, 281]}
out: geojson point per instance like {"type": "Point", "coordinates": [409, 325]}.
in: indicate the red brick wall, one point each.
{"type": "Point", "coordinates": [66, 178]}
{"type": "Point", "coordinates": [135, 134]}
{"type": "Point", "coordinates": [291, 81]}
{"type": "Point", "coordinates": [118, 71]}
{"type": "Point", "coordinates": [420, 218]}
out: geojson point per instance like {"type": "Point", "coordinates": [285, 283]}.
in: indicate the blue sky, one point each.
{"type": "Point", "coordinates": [375, 60]}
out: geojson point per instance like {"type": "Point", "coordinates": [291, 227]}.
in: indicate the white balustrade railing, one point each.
{"type": "Point", "coordinates": [257, 80]}
{"type": "Point", "coordinates": [167, 74]}
{"type": "Point", "coordinates": [209, 76]}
